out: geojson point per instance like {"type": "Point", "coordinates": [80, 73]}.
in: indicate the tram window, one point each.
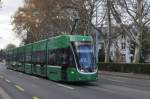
{"type": "Point", "coordinates": [55, 57]}
{"type": "Point", "coordinates": [85, 56]}
{"type": "Point", "coordinates": [43, 57]}
{"type": "Point", "coordinates": [51, 57]}
{"type": "Point", "coordinates": [18, 57]}
{"type": "Point", "coordinates": [71, 59]}
{"type": "Point", "coordinates": [54, 61]}
{"type": "Point", "coordinates": [6, 55]}
{"type": "Point", "coordinates": [65, 57]}
{"type": "Point", "coordinates": [39, 57]}
{"type": "Point", "coordinates": [61, 57]}
{"type": "Point", "coordinates": [21, 57]}
{"type": "Point", "coordinates": [14, 57]}
{"type": "Point", "coordinates": [33, 58]}
{"type": "Point", "coordinates": [58, 56]}
{"type": "Point", "coordinates": [28, 57]}
{"type": "Point", "coordinates": [10, 57]}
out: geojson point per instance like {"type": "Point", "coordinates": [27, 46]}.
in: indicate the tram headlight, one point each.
{"type": "Point", "coordinates": [72, 72]}
{"type": "Point", "coordinates": [82, 70]}
{"type": "Point", "coordinates": [79, 78]}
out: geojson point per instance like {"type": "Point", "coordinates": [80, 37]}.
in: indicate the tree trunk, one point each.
{"type": "Point", "coordinates": [107, 50]}
{"type": "Point", "coordinates": [107, 43]}
{"type": "Point", "coordinates": [117, 57]}
{"type": "Point", "coordinates": [137, 54]}
{"type": "Point", "coordinates": [138, 46]}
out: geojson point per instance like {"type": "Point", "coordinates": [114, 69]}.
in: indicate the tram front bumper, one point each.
{"type": "Point", "coordinates": [74, 75]}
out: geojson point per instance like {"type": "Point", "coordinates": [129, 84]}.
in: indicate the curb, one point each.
{"type": "Point", "coordinates": [126, 75]}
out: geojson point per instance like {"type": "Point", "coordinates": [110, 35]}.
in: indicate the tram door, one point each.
{"type": "Point", "coordinates": [64, 61]}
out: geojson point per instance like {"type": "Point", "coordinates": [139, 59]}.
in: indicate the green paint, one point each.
{"type": "Point", "coordinates": [80, 38]}
{"type": "Point", "coordinates": [74, 75]}
{"type": "Point", "coordinates": [52, 72]}
{"type": "Point", "coordinates": [39, 70]}
{"type": "Point", "coordinates": [28, 48]}
{"type": "Point", "coordinates": [39, 46]}
{"type": "Point", "coordinates": [28, 68]}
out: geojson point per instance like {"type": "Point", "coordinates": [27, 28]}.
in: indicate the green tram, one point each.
{"type": "Point", "coordinates": [62, 58]}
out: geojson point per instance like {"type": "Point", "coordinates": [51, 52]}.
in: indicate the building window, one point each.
{"type": "Point", "coordinates": [123, 57]}
{"type": "Point", "coordinates": [123, 36]}
{"type": "Point", "coordinates": [123, 45]}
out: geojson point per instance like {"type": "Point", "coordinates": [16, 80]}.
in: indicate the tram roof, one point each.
{"type": "Point", "coordinates": [69, 37]}
{"type": "Point", "coordinates": [61, 37]}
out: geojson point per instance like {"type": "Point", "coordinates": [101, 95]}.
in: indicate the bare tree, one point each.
{"type": "Point", "coordinates": [108, 35]}
{"type": "Point", "coordinates": [39, 19]}
{"type": "Point", "coordinates": [10, 46]}
{"type": "Point", "coordinates": [0, 4]}
{"type": "Point", "coordinates": [105, 21]}
{"type": "Point", "coordinates": [137, 12]}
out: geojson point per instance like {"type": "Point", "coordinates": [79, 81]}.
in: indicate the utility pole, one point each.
{"type": "Point", "coordinates": [96, 35]}
{"type": "Point", "coordinates": [74, 26]}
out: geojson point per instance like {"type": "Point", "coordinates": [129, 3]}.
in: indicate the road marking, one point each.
{"type": "Point", "coordinates": [116, 80]}
{"type": "Point", "coordinates": [34, 77]}
{"type": "Point", "coordinates": [49, 86]}
{"type": "Point", "coordinates": [122, 77]}
{"type": "Point", "coordinates": [10, 70]}
{"type": "Point", "coordinates": [102, 89]}
{"type": "Point", "coordinates": [65, 86]}
{"type": "Point", "coordinates": [36, 97]}
{"type": "Point", "coordinates": [4, 94]}
{"type": "Point", "coordinates": [7, 80]}
{"type": "Point", "coordinates": [19, 88]}
{"type": "Point", "coordinates": [1, 77]}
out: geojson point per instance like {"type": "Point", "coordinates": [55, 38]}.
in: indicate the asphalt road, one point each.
{"type": "Point", "coordinates": [16, 85]}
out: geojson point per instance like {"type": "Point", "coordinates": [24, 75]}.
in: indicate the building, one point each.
{"type": "Point", "coordinates": [120, 50]}
{"type": "Point", "coordinates": [147, 56]}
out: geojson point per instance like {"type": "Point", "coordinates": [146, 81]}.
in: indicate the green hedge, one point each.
{"type": "Point", "coordinates": [125, 67]}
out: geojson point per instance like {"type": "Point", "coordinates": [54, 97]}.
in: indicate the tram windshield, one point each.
{"type": "Point", "coordinates": [85, 56]}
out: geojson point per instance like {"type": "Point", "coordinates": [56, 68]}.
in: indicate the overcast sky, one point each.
{"type": "Point", "coordinates": [6, 12]}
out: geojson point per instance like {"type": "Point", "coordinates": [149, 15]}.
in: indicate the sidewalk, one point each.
{"type": "Point", "coordinates": [3, 94]}
{"type": "Point", "coordinates": [127, 75]}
